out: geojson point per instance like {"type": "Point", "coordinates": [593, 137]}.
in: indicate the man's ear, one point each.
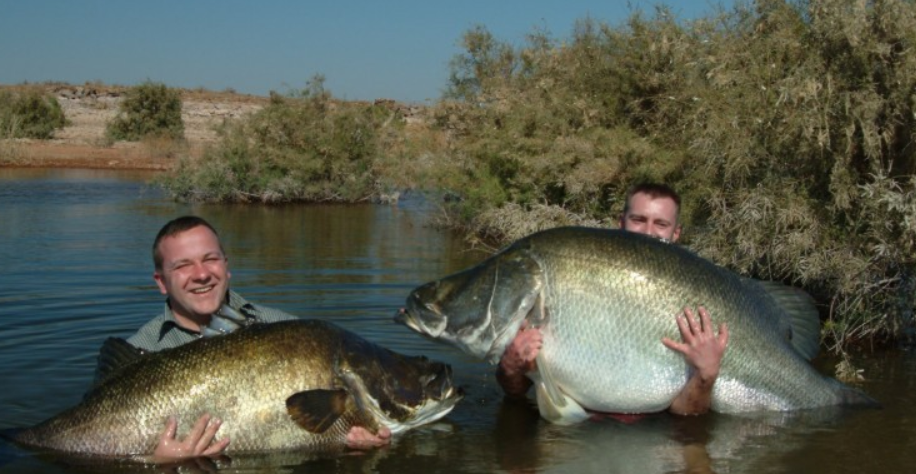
{"type": "Point", "coordinates": [160, 282]}
{"type": "Point", "coordinates": [677, 233]}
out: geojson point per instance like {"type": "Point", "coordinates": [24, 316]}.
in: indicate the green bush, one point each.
{"type": "Point", "coordinates": [31, 113]}
{"type": "Point", "coordinates": [148, 110]}
{"type": "Point", "coordinates": [304, 146]}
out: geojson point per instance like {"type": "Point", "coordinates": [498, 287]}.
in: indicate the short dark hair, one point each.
{"type": "Point", "coordinates": [654, 190]}
{"type": "Point", "coordinates": [175, 227]}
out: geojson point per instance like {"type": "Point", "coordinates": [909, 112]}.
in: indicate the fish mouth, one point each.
{"type": "Point", "coordinates": [441, 396]}
{"type": "Point", "coordinates": [435, 398]}
{"type": "Point", "coordinates": [426, 319]}
{"type": "Point", "coordinates": [439, 385]}
{"type": "Point", "coordinates": [405, 318]}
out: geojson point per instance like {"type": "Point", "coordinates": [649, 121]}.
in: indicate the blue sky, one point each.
{"type": "Point", "coordinates": [397, 49]}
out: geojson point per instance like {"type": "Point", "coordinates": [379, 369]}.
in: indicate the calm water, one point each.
{"type": "Point", "coordinates": [75, 269]}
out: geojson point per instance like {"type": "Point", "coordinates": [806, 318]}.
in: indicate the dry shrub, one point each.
{"type": "Point", "coordinates": [512, 221]}
{"type": "Point", "coordinates": [29, 112]}
{"type": "Point", "coordinates": [788, 127]}
{"type": "Point", "coordinates": [157, 146]}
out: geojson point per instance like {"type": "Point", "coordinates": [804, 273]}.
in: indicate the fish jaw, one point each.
{"type": "Point", "coordinates": [480, 309]}
{"type": "Point", "coordinates": [438, 398]}
{"type": "Point", "coordinates": [423, 316]}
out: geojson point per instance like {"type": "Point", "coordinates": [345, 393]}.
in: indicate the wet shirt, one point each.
{"type": "Point", "coordinates": [163, 331]}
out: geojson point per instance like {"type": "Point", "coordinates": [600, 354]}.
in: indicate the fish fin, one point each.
{"type": "Point", "coordinates": [317, 410]}
{"type": "Point", "coordinates": [852, 396]}
{"type": "Point", "coordinates": [544, 379]}
{"type": "Point", "coordinates": [553, 405]}
{"type": "Point", "coordinates": [115, 354]}
{"type": "Point", "coordinates": [568, 412]}
{"type": "Point", "coordinates": [802, 322]}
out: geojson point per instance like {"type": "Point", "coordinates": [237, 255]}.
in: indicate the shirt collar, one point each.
{"type": "Point", "coordinates": [235, 302]}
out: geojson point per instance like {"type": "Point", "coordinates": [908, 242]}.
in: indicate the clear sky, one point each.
{"type": "Point", "coordinates": [369, 49]}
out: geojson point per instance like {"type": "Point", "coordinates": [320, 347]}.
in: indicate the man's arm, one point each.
{"type": "Point", "coordinates": [518, 360]}
{"type": "Point", "coordinates": [703, 350]}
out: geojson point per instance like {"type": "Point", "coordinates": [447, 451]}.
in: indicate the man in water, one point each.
{"type": "Point", "coordinates": [650, 209]}
{"type": "Point", "coordinates": [192, 271]}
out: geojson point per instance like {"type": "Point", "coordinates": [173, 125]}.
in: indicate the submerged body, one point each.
{"type": "Point", "coordinates": [603, 300]}
{"type": "Point", "coordinates": [288, 385]}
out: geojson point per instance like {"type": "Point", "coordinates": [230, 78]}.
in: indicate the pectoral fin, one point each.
{"type": "Point", "coordinates": [553, 405]}
{"type": "Point", "coordinates": [317, 410]}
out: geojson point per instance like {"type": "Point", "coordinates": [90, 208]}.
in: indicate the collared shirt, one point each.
{"type": "Point", "coordinates": [163, 331]}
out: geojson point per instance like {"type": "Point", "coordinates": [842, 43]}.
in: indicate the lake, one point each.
{"type": "Point", "coordinates": [75, 269]}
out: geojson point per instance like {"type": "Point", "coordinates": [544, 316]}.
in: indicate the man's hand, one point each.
{"type": "Point", "coordinates": [518, 360]}
{"type": "Point", "coordinates": [702, 347]}
{"type": "Point", "coordinates": [703, 350]}
{"type": "Point", "coordinates": [361, 438]}
{"type": "Point", "coordinates": [198, 442]}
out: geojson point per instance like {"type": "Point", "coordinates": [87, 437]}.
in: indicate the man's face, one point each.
{"type": "Point", "coordinates": [656, 217]}
{"type": "Point", "coordinates": [194, 275]}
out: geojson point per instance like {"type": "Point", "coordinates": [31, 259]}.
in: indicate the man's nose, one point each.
{"type": "Point", "coordinates": [200, 272]}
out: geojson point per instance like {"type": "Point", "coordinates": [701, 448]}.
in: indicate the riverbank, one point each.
{"type": "Point", "coordinates": [88, 108]}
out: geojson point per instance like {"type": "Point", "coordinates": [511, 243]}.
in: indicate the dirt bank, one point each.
{"type": "Point", "coordinates": [88, 108]}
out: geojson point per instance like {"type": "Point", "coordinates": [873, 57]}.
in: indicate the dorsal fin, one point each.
{"type": "Point", "coordinates": [115, 354]}
{"type": "Point", "coordinates": [802, 321]}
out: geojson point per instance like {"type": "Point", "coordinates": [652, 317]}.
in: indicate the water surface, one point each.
{"type": "Point", "coordinates": [75, 268]}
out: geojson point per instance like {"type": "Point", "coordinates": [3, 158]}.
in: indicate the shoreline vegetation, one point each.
{"type": "Point", "coordinates": [788, 128]}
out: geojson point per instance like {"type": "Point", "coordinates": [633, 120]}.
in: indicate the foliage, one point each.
{"type": "Point", "coordinates": [304, 146]}
{"type": "Point", "coordinates": [788, 127]}
{"type": "Point", "coordinates": [30, 113]}
{"type": "Point", "coordinates": [148, 110]}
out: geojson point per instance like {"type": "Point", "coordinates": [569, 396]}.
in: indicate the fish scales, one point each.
{"type": "Point", "coordinates": [245, 378]}
{"type": "Point", "coordinates": [642, 287]}
{"type": "Point", "coordinates": [607, 298]}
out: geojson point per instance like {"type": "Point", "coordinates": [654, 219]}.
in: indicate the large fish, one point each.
{"type": "Point", "coordinates": [289, 385]}
{"type": "Point", "coordinates": [603, 300]}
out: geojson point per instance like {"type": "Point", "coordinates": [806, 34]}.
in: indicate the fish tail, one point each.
{"type": "Point", "coordinates": [852, 396]}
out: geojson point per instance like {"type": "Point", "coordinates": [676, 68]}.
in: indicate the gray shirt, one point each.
{"type": "Point", "coordinates": [163, 331]}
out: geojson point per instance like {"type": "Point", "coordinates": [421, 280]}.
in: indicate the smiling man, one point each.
{"type": "Point", "coordinates": [192, 271]}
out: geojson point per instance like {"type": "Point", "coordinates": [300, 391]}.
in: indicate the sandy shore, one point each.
{"type": "Point", "coordinates": [81, 144]}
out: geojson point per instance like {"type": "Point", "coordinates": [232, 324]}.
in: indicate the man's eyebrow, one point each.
{"type": "Point", "coordinates": [175, 263]}
{"type": "Point", "coordinates": [214, 253]}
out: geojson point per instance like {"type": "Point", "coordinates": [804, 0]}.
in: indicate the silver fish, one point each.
{"type": "Point", "coordinates": [298, 384]}
{"type": "Point", "coordinates": [224, 321]}
{"type": "Point", "coordinates": [603, 300]}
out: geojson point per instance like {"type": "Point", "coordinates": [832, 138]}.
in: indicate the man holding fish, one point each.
{"type": "Point", "coordinates": [650, 209]}
{"type": "Point", "coordinates": [191, 270]}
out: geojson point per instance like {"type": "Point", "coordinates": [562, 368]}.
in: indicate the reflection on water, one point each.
{"type": "Point", "coordinates": [76, 269]}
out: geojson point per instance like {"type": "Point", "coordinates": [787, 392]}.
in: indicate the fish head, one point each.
{"type": "Point", "coordinates": [480, 309]}
{"type": "Point", "coordinates": [401, 391]}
